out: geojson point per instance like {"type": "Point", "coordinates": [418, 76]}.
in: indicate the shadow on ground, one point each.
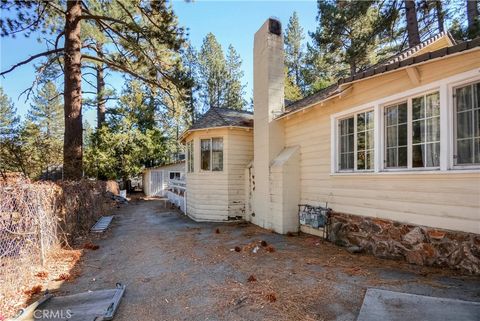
{"type": "Point", "coordinates": [177, 269]}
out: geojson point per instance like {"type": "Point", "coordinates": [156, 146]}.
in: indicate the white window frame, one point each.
{"type": "Point", "coordinates": [172, 172]}
{"type": "Point", "coordinates": [445, 87]}
{"type": "Point", "coordinates": [453, 125]}
{"type": "Point", "coordinates": [191, 156]}
{"type": "Point", "coordinates": [408, 100]}
{"type": "Point", "coordinates": [355, 145]}
{"type": "Point", "coordinates": [211, 154]}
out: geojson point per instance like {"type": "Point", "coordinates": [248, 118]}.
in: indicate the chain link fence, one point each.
{"type": "Point", "coordinates": [36, 219]}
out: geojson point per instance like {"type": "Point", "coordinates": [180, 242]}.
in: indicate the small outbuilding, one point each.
{"type": "Point", "coordinates": [156, 180]}
{"type": "Point", "coordinates": [219, 146]}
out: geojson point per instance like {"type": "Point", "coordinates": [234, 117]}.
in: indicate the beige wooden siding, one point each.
{"type": "Point", "coordinates": [448, 200]}
{"type": "Point", "coordinates": [239, 155]}
{"type": "Point", "coordinates": [214, 196]}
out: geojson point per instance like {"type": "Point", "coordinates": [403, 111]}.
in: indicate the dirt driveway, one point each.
{"type": "Point", "coordinates": [177, 269]}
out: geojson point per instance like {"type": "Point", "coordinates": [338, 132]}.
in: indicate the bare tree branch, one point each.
{"type": "Point", "coordinates": [42, 54]}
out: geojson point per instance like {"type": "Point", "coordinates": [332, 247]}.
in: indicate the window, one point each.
{"type": "Point", "coordinates": [467, 134]}
{"type": "Point", "coordinates": [217, 154]}
{"type": "Point", "coordinates": [356, 142]}
{"type": "Point", "coordinates": [175, 175]}
{"type": "Point", "coordinates": [396, 133]}
{"type": "Point", "coordinates": [426, 131]}
{"type": "Point", "coordinates": [205, 155]}
{"type": "Point", "coordinates": [190, 162]}
{"type": "Point", "coordinates": [422, 150]}
{"type": "Point", "coordinates": [212, 154]}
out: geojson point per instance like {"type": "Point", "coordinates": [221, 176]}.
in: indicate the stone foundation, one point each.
{"type": "Point", "coordinates": [419, 245]}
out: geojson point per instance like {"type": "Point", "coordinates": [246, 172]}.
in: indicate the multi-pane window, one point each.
{"type": "Point", "coordinates": [346, 148]}
{"type": "Point", "coordinates": [365, 140]}
{"type": "Point", "coordinates": [426, 131]}
{"type": "Point", "coordinates": [217, 154]}
{"type": "Point", "coordinates": [190, 164]}
{"type": "Point", "coordinates": [396, 132]}
{"type": "Point", "coordinates": [467, 112]}
{"type": "Point", "coordinates": [206, 148]}
{"type": "Point", "coordinates": [212, 154]}
{"type": "Point", "coordinates": [419, 119]}
{"type": "Point", "coordinates": [175, 175]}
{"type": "Point", "coordinates": [356, 142]}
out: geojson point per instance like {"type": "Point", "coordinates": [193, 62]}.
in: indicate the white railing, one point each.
{"type": "Point", "coordinates": [176, 193]}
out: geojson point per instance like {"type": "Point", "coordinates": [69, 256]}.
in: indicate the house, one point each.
{"type": "Point", "coordinates": [393, 150]}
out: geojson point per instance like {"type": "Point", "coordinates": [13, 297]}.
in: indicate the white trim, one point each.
{"type": "Point", "coordinates": [335, 143]}
{"type": "Point", "coordinates": [445, 88]}
{"type": "Point", "coordinates": [412, 92]}
{"type": "Point", "coordinates": [453, 122]}
{"type": "Point", "coordinates": [444, 127]}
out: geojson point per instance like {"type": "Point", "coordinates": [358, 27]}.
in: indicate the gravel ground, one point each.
{"type": "Point", "coordinates": [177, 269]}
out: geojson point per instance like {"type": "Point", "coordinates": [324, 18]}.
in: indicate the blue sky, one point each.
{"type": "Point", "coordinates": [232, 22]}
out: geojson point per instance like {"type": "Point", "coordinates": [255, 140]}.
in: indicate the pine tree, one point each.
{"type": "Point", "coordinates": [8, 131]}
{"type": "Point", "coordinates": [47, 111]}
{"type": "Point", "coordinates": [145, 37]}
{"type": "Point", "coordinates": [212, 71]}
{"type": "Point", "coordinates": [349, 31]}
{"type": "Point", "coordinates": [46, 115]}
{"type": "Point", "coordinates": [294, 55]}
{"type": "Point", "coordinates": [234, 89]}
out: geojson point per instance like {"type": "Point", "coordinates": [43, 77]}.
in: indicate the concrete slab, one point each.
{"type": "Point", "coordinates": [381, 305]}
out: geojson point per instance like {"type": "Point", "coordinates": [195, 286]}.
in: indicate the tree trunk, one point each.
{"type": "Point", "coordinates": [412, 23]}
{"type": "Point", "coordinates": [73, 140]}
{"type": "Point", "coordinates": [472, 17]}
{"type": "Point", "coordinates": [100, 90]}
{"type": "Point", "coordinates": [440, 15]}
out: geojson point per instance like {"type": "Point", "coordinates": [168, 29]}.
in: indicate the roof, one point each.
{"type": "Point", "coordinates": [223, 117]}
{"type": "Point", "coordinates": [402, 60]}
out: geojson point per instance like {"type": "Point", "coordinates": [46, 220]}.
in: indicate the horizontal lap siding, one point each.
{"type": "Point", "coordinates": [215, 196]}
{"type": "Point", "coordinates": [444, 200]}
{"type": "Point", "coordinates": [239, 155]}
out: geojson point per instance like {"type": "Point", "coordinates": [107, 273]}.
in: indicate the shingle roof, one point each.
{"type": "Point", "coordinates": [395, 62]}
{"type": "Point", "coordinates": [221, 117]}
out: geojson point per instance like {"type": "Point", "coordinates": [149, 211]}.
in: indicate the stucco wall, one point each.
{"type": "Point", "coordinates": [444, 199]}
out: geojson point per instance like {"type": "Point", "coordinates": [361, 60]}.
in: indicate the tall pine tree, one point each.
{"type": "Point", "coordinates": [219, 76]}
{"type": "Point", "coordinates": [294, 58]}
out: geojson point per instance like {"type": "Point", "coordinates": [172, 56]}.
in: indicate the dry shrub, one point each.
{"type": "Point", "coordinates": [36, 219]}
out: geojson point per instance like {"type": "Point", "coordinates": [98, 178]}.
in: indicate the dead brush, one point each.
{"type": "Point", "coordinates": [90, 246]}
{"type": "Point", "coordinates": [34, 290]}
{"type": "Point", "coordinates": [42, 274]}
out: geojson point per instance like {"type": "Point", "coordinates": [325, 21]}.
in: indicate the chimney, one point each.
{"type": "Point", "coordinates": [268, 102]}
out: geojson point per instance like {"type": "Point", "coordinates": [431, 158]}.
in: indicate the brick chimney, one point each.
{"type": "Point", "coordinates": [268, 101]}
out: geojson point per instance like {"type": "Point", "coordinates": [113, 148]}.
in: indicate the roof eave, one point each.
{"type": "Point", "coordinates": [373, 76]}
{"type": "Point", "coordinates": [181, 139]}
